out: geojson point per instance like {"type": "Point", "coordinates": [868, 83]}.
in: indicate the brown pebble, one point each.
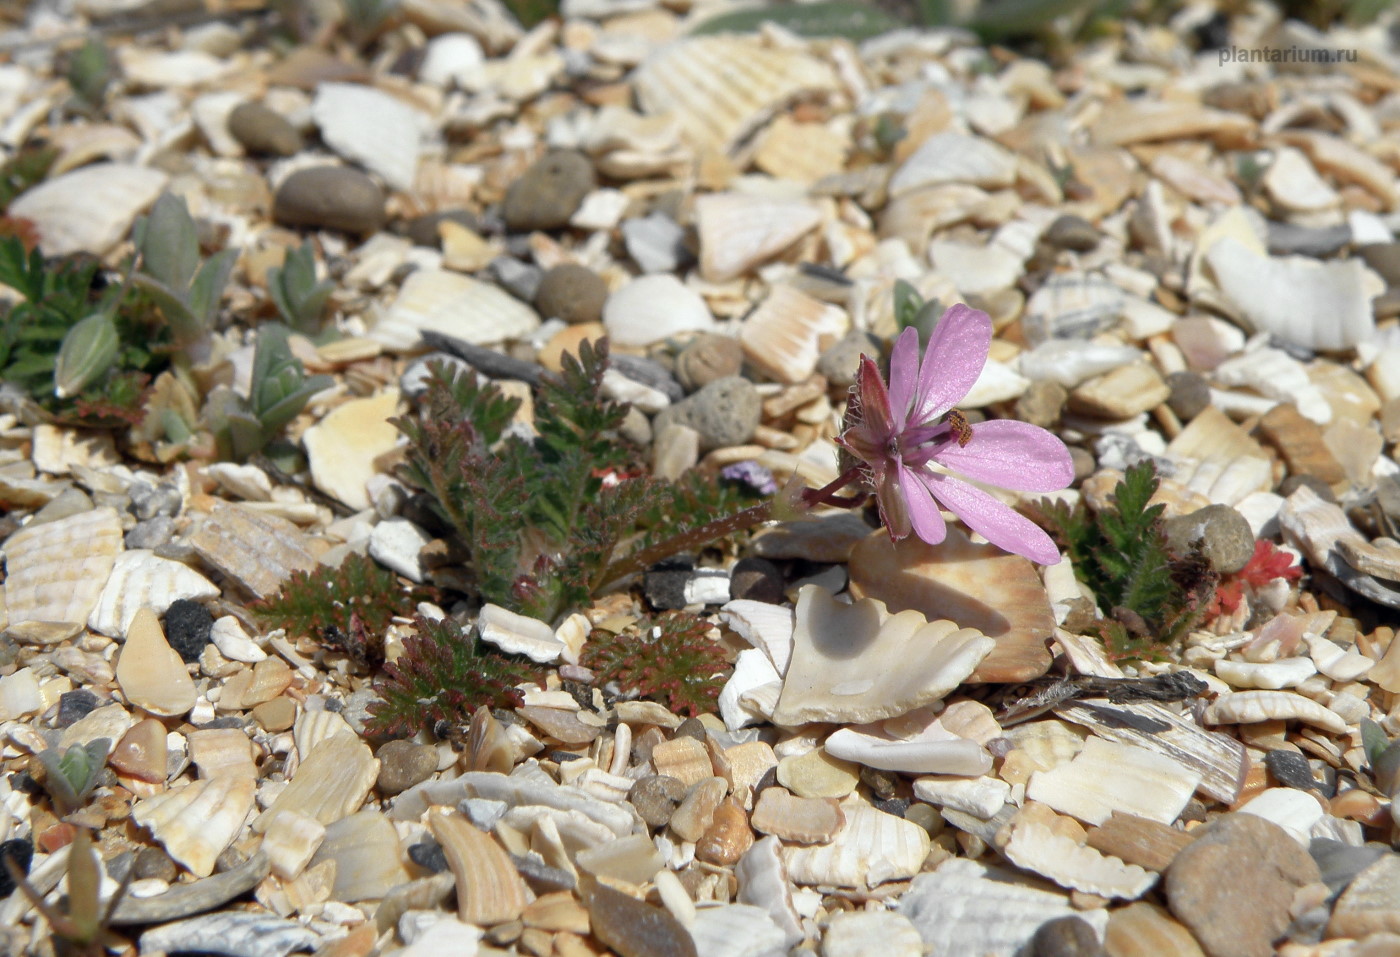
{"type": "Point", "coordinates": [402, 764]}
{"type": "Point", "coordinates": [656, 798]}
{"type": "Point", "coordinates": [797, 819]}
{"type": "Point", "coordinates": [279, 714]}
{"type": "Point", "coordinates": [727, 838]}
{"type": "Point", "coordinates": [261, 129]}
{"type": "Point", "coordinates": [571, 292]}
{"type": "Point", "coordinates": [141, 753]}
{"type": "Point", "coordinates": [1042, 403]}
{"type": "Point", "coordinates": [153, 862]}
{"type": "Point", "coordinates": [707, 358]}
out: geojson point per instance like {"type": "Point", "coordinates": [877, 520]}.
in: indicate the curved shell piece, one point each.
{"type": "Point", "coordinates": [739, 231]}
{"type": "Point", "coordinates": [765, 626]}
{"type": "Point", "coordinates": [519, 634]}
{"type": "Point", "coordinates": [721, 87]}
{"type": "Point", "coordinates": [872, 848]}
{"type": "Point", "coordinates": [139, 578]}
{"type": "Point", "coordinates": [240, 934]}
{"type": "Point", "coordinates": [89, 209]}
{"type": "Point", "coordinates": [196, 822]}
{"type": "Point", "coordinates": [57, 570]}
{"type": "Point", "coordinates": [763, 882]}
{"type": "Point", "coordinates": [858, 663]}
{"type": "Point", "coordinates": [1107, 777]}
{"type": "Point", "coordinates": [927, 753]}
{"type": "Point", "coordinates": [454, 305]}
{"type": "Point", "coordinates": [370, 127]}
{"type": "Point", "coordinates": [1266, 675]}
{"type": "Point", "coordinates": [330, 783]}
{"type": "Point", "coordinates": [150, 673]}
{"type": "Point", "coordinates": [1249, 707]}
{"type": "Point", "coordinates": [951, 157]}
{"type": "Point", "coordinates": [489, 890]}
{"type": "Point", "coordinates": [1035, 847]}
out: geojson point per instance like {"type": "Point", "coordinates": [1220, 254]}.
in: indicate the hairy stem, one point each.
{"type": "Point", "coordinates": [687, 541]}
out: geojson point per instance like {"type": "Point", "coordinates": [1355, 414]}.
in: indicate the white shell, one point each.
{"type": "Point", "coordinates": [1072, 306]}
{"type": "Point", "coordinates": [765, 626]}
{"type": "Point", "coordinates": [981, 797]}
{"type": "Point", "coordinates": [196, 822]}
{"type": "Point", "coordinates": [976, 270]}
{"type": "Point", "coordinates": [57, 570]}
{"type": "Point", "coordinates": [1268, 675]}
{"type": "Point", "coordinates": [933, 751]}
{"type": "Point", "coordinates": [233, 642]}
{"type": "Point", "coordinates": [238, 932]}
{"type": "Point", "coordinates": [140, 578]}
{"type": "Point", "coordinates": [329, 784]}
{"type": "Point", "coordinates": [291, 841]}
{"type": "Point", "coordinates": [736, 930]}
{"type": "Point", "coordinates": [1035, 847]}
{"type": "Point", "coordinates": [1294, 810]}
{"type": "Point", "coordinates": [739, 231]}
{"type": "Point", "coordinates": [1277, 375]}
{"type": "Point", "coordinates": [952, 157]}
{"type": "Point", "coordinates": [517, 790]}
{"type": "Point", "coordinates": [90, 209]}
{"type": "Point", "coordinates": [858, 933]}
{"type": "Point", "coordinates": [1248, 707]}
{"type": "Point", "coordinates": [150, 673]}
{"type": "Point", "coordinates": [858, 663]}
{"type": "Point", "coordinates": [1338, 663]}
{"type": "Point", "coordinates": [1072, 361]}
{"type": "Point", "coordinates": [1318, 305]}
{"type": "Point", "coordinates": [872, 847]}
{"type": "Point", "coordinates": [519, 634]}
{"type": "Point", "coordinates": [786, 335]}
{"type": "Point", "coordinates": [313, 727]}
{"type": "Point", "coordinates": [372, 128]}
{"type": "Point", "coordinates": [651, 308]}
{"type": "Point", "coordinates": [1294, 185]}
{"type": "Point", "coordinates": [454, 305]}
{"type": "Point", "coordinates": [1107, 777]}
{"type": "Point", "coordinates": [752, 670]}
{"type": "Point", "coordinates": [763, 882]}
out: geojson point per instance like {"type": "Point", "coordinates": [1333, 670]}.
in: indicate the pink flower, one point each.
{"type": "Point", "coordinates": [904, 448]}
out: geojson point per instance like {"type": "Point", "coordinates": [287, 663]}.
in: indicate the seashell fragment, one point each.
{"type": "Point", "coordinates": [858, 663]}
{"type": "Point", "coordinates": [372, 128]}
{"type": "Point", "coordinates": [1035, 847]}
{"type": "Point", "coordinates": [1338, 663]}
{"type": "Point", "coordinates": [90, 209]}
{"type": "Point", "coordinates": [1293, 810]}
{"type": "Point", "coordinates": [1266, 675]}
{"type": "Point", "coordinates": [871, 848]}
{"type": "Point", "coordinates": [57, 569]}
{"type": "Point", "coordinates": [257, 551]}
{"type": "Point", "coordinates": [981, 797]}
{"type": "Point", "coordinates": [331, 782]}
{"type": "Point", "coordinates": [763, 883]}
{"type": "Point", "coordinates": [752, 671]}
{"type": "Point", "coordinates": [489, 890]}
{"type": "Point", "coordinates": [449, 303]}
{"type": "Point", "coordinates": [736, 930]}
{"type": "Point", "coordinates": [1107, 777]}
{"type": "Point", "coordinates": [786, 335]}
{"type": "Point", "coordinates": [150, 673]}
{"type": "Point", "coordinates": [518, 634]}
{"type": "Point", "coordinates": [934, 751]}
{"type": "Point", "coordinates": [739, 231]}
{"type": "Point", "coordinates": [291, 840]}
{"type": "Point", "coordinates": [238, 933]}
{"type": "Point", "coordinates": [142, 578]}
{"type": "Point", "coordinates": [1249, 707]}
{"type": "Point", "coordinates": [722, 87]}
{"type": "Point", "coordinates": [196, 822]}
{"type": "Point", "coordinates": [651, 308]}
{"type": "Point", "coordinates": [342, 449]}
{"type": "Point", "coordinates": [517, 791]}
{"type": "Point", "coordinates": [767, 627]}
{"type": "Point", "coordinates": [951, 157]}
{"type": "Point", "coordinates": [364, 849]}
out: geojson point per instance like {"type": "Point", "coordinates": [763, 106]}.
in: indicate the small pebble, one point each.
{"type": "Point", "coordinates": [1292, 483]}
{"type": "Point", "coordinates": [1290, 769]}
{"type": "Point", "coordinates": [1042, 403]}
{"type": "Point", "coordinates": [153, 862]}
{"type": "Point", "coordinates": [1190, 395]}
{"type": "Point", "coordinates": [1065, 937]}
{"type": "Point", "coordinates": [1083, 461]}
{"type": "Point", "coordinates": [690, 728]}
{"type": "Point", "coordinates": [571, 292]}
{"type": "Point", "coordinates": [707, 358]}
{"type": "Point", "coordinates": [1387, 304]}
{"type": "Point", "coordinates": [665, 584]}
{"type": "Point", "coordinates": [152, 533]}
{"type": "Point", "coordinates": [756, 579]}
{"type": "Point", "coordinates": [74, 706]}
{"type": "Point", "coordinates": [262, 130]}
{"type": "Point", "coordinates": [19, 850]}
{"type": "Point", "coordinates": [187, 626]}
{"type": "Point", "coordinates": [279, 714]}
{"type": "Point", "coordinates": [725, 413]}
{"type": "Point", "coordinates": [549, 192]}
{"type": "Point", "coordinates": [657, 243]}
{"type": "Point", "coordinates": [428, 855]}
{"type": "Point", "coordinates": [1289, 239]}
{"type": "Point", "coordinates": [330, 197]}
{"type": "Point", "coordinates": [1073, 233]}
{"type": "Point", "coordinates": [1384, 258]}
{"type": "Point", "coordinates": [656, 798]}
{"type": "Point", "coordinates": [1227, 540]}
{"type": "Point", "coordinates": [148, 501]}
{"type": "Point", "coordinates": [423, 230]}
{"type": "Point", "coordinates": [841, 361]}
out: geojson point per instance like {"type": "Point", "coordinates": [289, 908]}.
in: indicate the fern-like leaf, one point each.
{"type": "Point", "coordinates": [311, 602]}
{"type": "Point", "coordinates": [673, 660]}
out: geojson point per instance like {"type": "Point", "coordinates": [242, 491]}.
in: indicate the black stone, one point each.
{"type": "Point", "coordinates": [664, 585]}
{"type": "Point", "coordinates": [496, 365]}
{"type": "Point", "coordinates": [1066, 937]}
{"type": "Point", "coordinates": [428, 855]}
{"type": "Point", "coordinates": [1190, 395]}
{"type": "Point", "coordinates": [21, 852]}
{"type": "Point", "coordinates": [1290, 769]}
{"type": "Point", "coordinates": [756, 579]}
{"type": "Point", "coordinates": [542, 878]}
{"type": "Point", "coordinates": [187, 626]}
{"type": "Point", "coordinates": [74, 705]}
{"type": "Point", "coordinates": [691, 728]}
{"type": "Point", "coordinates": [895, 806]}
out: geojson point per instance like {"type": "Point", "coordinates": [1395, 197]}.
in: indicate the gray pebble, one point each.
{"type": "Point", "coordinates": [518, 278]}
{"type": "Point", "coordinates": [708, 357]}
{"type": "Point", "coordinates": [656, 798]}
{"type": "Point", "coordinates": [1190, 395]}
{"type": "Point", "coordinates": [423, 230]}
{"type": "Point", "coordinates": [1227, 540]}
{"type": "Point", "coordinates": [725, 413]}
{"type": "Point", "coordinates": [756, 579]}
{"type": "Point", "coordinates": [1289, 239]}
{"type": "Point", "coordinates": [691, 728]}
{"type": "Point", "coordinates": [656, 242]}
{"type": "Point", "coordinates": [330, 197]}
{"type": "Point", "coordinates": [152, 533]}
{"type": "Point", "coordinates": [549, 192]}
{"type": "Point", "coordinates": [1066, 937]}
{"type": "Point", "coordinates": [1042, 403]}
{"type": "Point", "coordinates": [1083, 461]}
{"type": "Point", "coordinates": [1387, 304]}
{"type": "Point", "coordinates": [649, 373]}
{"type": "Point", "coordinates": [1339, 862]}
{"type": "Point", "coordinates": [262, 130]}
{"type": "Point", "coordinates": [571, 292]}
{"type": "Point", "coordinates": [153, 862]}
{"type": "Point", "coordinates": [841, 362]}
{"type": "Point", "coordinates": [1290, 769]}
{"type": "Point", "coordinates": [402, 764]}
{"type": "Point", "coordinates": [1074, 233]}
{"type": "Point", "coordinates": [148, 501]}
{"type": "Point", "coordinates": [1384, 258]}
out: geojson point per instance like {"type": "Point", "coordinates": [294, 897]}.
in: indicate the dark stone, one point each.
{"type": "Point", "coordinates": [1065, 937]}
{"type": "Point", "coordinates": [571, 292]}
{"type": "Point", "coordinates": [691, 728]}
{"type": "Point", "coordinates": [1290, 769]}
{"type": "Point", "coordinates": [330, 197]}
{"type": "Point", "coordinates": [756, 579]}
{"type": "Point", "coordinates": [1292, 483]}
{"type": "Point", "coordinates": [656, 798]}
{"type": "Point", "coordinates": [1339, 863]}
{"type": "Point", "coordinates": [494, 365]}
{"type": "Point", "coordinates": [648, 372]}
{"type": "Point", "coordinates": [423, 230]}
{"type": "Point", "coordinates": [841, 362]}
{"type": "Point", "coordinates": [1190, 395]}
{"type": "Point", "coordinates": [635, 929]}
{"type": "Point", "coordinates": [153, 862]}
{"type": "Point", "coordinates": [260, 129]}
{"type": "Point", "coordinates": [1224, 535]}
{"type": "Point", "coordinates": [520, 279]}
{"type": "Point", "coordinates": [1384, 258]}
{"type": "Point", "coordinates": [664, 585]}
{"type": "Point", "coordinates": [548, 193]}
{"type": "Point", "coordinates": [74, 705]}
{"type": "Point", "coordinates": [187, 626]}
{"type": "Point", "coordinates": [21, 852]}
{"type": "Point", "coordinates": [428, 854]}
{"type": "Point", "coordinates": [1073, 233]}
{"type": "Point", "coordinates": [1289, 239]}
{"type": "Point", "coordinates": [896, 806]}
{"type": "Point", "coordinates": [542, 878]}
{"type": "Point", "coordinates": [152, 533]}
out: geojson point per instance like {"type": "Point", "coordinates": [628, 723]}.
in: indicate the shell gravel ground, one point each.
{"type": "Point", "coordinates": [1186, 257]}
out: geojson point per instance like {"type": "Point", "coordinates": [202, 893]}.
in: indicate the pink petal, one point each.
{"type": "Point", "coordinates": [894, 510]}
{"type": "Point", "coordinates": [904, 374]}
{"type": "Point", "coordinates": [924, 516]}
{"type": "Point", "coordinates": [877, 417]}
{"type": "Point", "coordinates": [956, 353]}
{"type": "Point", "coordinates": [1000, 524]}
{"type": "Point", "coordinates": [1014, 455]}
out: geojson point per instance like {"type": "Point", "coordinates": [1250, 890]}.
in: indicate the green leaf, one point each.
{"type": "Point", "coordinates": [184, 325]}
{"type": "Point", "coordinates": [207, 288]}
{"type": "Point", "coordinates": [90, 71]}
{"type": "Point", "coordinates": [168, 243]}
{"type": "Point", "coordinates": [84, 885]}
{"type": "Point", "coordinates": [21, 271]}
{"type": "Point", "coordinates": [1003, 18]}
{"type": "Point", "coordinates": [25, 169]}
{"type": "Point", "coordinates": [294, 289]}
{"type": "Point", "coordinates": [1374, 740]}
{"type": "Point", "coordinates": [72, 774]}
{"type": "Point", "coordinates": [832, 18]}
{"type": "Point", "coordinates": [88, 351]}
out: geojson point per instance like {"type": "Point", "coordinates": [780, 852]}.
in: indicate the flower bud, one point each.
{"type": "Point", "coordinates": [88, 350]}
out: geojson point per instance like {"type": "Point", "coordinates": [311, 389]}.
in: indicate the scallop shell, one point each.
{"type": "Point", "coordinates": [330, 783]}
{"type": "Point", "coordinates": [489, 890]}
{"type": "Point", "coordinates": [314, 727]}
{"type": "Point", "coordinates": [952, 157]}
{"type": "Point", "coordinates": [141, 578]}
{"type": "Point", "coordinates": [966, 909]}
{"type": "Point", "coordinates": [722, 87]}
{"type": "Point", "coordinates": [739, 231]}
{"type": "Point", "coordinates": [196, 822]}
{"type": "Point", "coordinates": [365, 850]}
{"type": "Point", "coordinates": [1035, 847]}
{"type": "Point", "coordinates": [1322, 531]}
{"type": "Point", "coordinates": [858, 663]}
{"type": "Point", "coordinates": [1277, 375]}
{"type": "Point", "coordinates": [872, 847]}
{"type": "Point", "coordinates": [765, 626]}
{"type": "Point", "coordinates": [57, 569]}
{"type": "Point", "coordinates": [1107, 777]}
{"type": "Point", "coordinates": [372, 128]}
{"type": "Point", "coordinates": [1266, 675]}
{"type": "Point", "coordinates": [519, 634]}
{"type": "Point", "coordinates": [453, 305]}
{"type": "Point", "coordinates": [1249, 707]}
{"type": "Point", "coordinates": [786, 335]}
{"type": "Point", "coordinates": [90, 209]}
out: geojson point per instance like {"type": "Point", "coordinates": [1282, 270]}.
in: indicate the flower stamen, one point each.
{"type": "Point", "coordinates": [959, 426]}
